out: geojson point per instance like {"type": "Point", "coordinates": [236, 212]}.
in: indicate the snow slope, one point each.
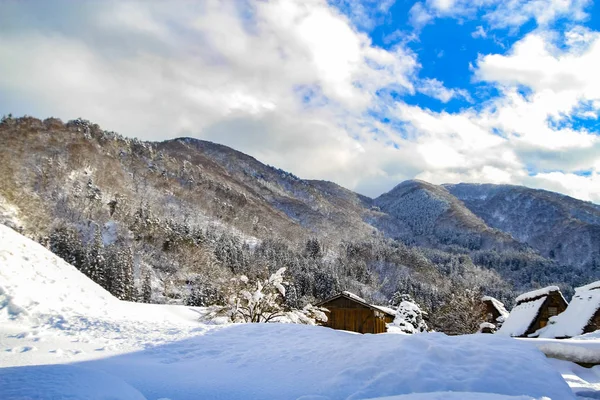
{"type": "Point", "coordinates": [62, 336]}
{"type": "Point", "coordinates": [42, 296]}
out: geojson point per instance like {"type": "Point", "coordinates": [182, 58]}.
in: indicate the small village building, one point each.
{"type": "Point", "coordinates": [532, 312]}
{"type": "Point", "coordinates": [347, 311]}
{"type": "Point", "coordinates": [495, 312]}
{"type": "Point", "coordinates": [581, 316]}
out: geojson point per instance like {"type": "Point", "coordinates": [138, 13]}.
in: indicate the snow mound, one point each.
{"type": "Point", "coordinates": [33, 281]}
{"type": "Point", "coordinates": [572, 322]}
{"type": "Point", "coordinates": [284, 361]}
{"type": "Point", "coordinates": [456, 396]}
{"type": "Point", "coordinates": [521, 317]}
{"type": "Point", "coordinates": [63, 382]}
{"type": "Point", "coordinates": [537, 293]}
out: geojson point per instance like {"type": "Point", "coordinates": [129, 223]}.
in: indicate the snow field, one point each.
{"type": "Point", "coordinates": [286, 361]}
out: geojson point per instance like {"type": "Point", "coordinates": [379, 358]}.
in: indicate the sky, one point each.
{"type": "Point", "coordinates": [365, 93]}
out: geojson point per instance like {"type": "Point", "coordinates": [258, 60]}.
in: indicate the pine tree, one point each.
{"type": "Point", "coordinates": [146, 295]}
{"type": "Point", "coordinates": [313, 248]}
{"type": "Point", "coordinates": [120, 273]}
{"type": "Point", "coordinates": [65, 243]}
{"type": "Point", "coordinates": [94, 260]}
{"type": "Point", "coordinates": [127, 282]}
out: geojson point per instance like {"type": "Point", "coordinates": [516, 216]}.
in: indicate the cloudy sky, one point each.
{"type": "Point", "coordinates": [366, 93]}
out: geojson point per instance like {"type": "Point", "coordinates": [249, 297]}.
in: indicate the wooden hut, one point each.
{"type": "Point", "coordinates": [495, 312]}
{"type": "Point", "coordinates": [346, 311]}
{"type": "Point", "coordinates": [581, 316]}
{"type": "Point", "coordinates": [532, 312]}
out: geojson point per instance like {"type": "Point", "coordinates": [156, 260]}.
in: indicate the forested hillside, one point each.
{"type": "Point", "coordinates": [174, 221]}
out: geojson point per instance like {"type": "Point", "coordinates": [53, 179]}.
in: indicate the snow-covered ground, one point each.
{"type": "Point", "coordinates": [63, 336]}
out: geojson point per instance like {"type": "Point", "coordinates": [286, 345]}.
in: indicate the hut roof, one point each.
{"type": "Point", "coordinates": [497, 304]}
{"type": "Point", "coordinates": [387, 310]}
{"type": "Point", "coordinates": [359, 300]}
{"type": "Point", "coordinates": [572, 322]}
{"type": "Point", "coordinates": [534, 294]}
{"type": "Point", "coordinates": [353, 296]}
{"type": "Point", "coordinates": [521, 317]}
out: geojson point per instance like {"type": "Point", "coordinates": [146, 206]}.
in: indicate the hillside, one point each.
{"type": "Point", "coordinates": [559, 227]}
{"type": "Point", "coordinates": [436, 217]}
{"type": "Point", "coordinates": [178, 219]}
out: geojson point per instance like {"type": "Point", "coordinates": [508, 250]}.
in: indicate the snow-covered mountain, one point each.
{"type": "Point", "coordinates": [185, 215]}
{"type": "Point", "coordinates": [559, 227]}
{"type": "Point", "coordinates": [436, 217]}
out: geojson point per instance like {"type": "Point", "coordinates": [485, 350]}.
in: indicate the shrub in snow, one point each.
{"type": "Point", "coordinates": [246, 301]}
{"type": "Point", "coordinates": [409, 318]}
{"type": "Point", "coordinates": [309, 315]}
{"type": "Point", "coordinates": [461, 314]}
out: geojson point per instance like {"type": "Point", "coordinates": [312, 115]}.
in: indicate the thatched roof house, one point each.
{"type": "Point", "coordinates": [495, 312]}
{"type": "Point", "coordinates": [533, 311]}
{"type": "Point", "coordinates": [581, 316]}
{"type": "Point", "coordinates": [347, 311]}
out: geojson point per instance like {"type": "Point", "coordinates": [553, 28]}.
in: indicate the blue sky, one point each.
{"type": "Point", "coordinates": [365, 93]}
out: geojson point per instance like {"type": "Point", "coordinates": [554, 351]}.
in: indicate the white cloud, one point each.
{"type": "Point", "coordinates": [500, 13]}
{"type": "Point", "coordinates": [582, 187]}
{"type": "Point", "coordinates": [365, 14]}
{"type": "Point", "coordinates": [479, 32]}
{"type": "Point", "coordinates": [516, 132]}
{"type": "Point", "coordinates": [420, 15]}
{"type": "Point", "coordinates": [436, 89]}
{"type": "Point", "coordinates": [285, 81]}
{"type": "Point", "coordinates": [295, 84]}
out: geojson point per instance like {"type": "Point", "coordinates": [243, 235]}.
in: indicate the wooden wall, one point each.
{"type": "Point", "coordinates": [491, 313]}
{"type": "Point", "coordinates": [348, 315]}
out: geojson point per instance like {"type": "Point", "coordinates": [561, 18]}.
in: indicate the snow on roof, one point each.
{"type": "Point", "coordinates": [520, 318]}
{"type": "Point", "coordinates": [353, 296]}
{"type": "Point", "coordinates": [537, 293]}
{"type": "Point", "coordinates": [385, 309]}
{"type": "Point", "coordinates": [590, 286]}
{"type": "Point", "coordinates": [574, 319]}
{"type": "Point", "coordinates": [497, 304]}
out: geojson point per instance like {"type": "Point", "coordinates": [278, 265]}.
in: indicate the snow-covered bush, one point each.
{"type": "Point", "coordinates": [309, 315]}
{"type": "Point", "coordinates": [409, 318]}
{"type": "Point", "coordinates": [246, 301]}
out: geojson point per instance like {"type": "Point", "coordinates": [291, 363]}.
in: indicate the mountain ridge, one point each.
{"type": "Point", "coordinates": [197, 211]}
